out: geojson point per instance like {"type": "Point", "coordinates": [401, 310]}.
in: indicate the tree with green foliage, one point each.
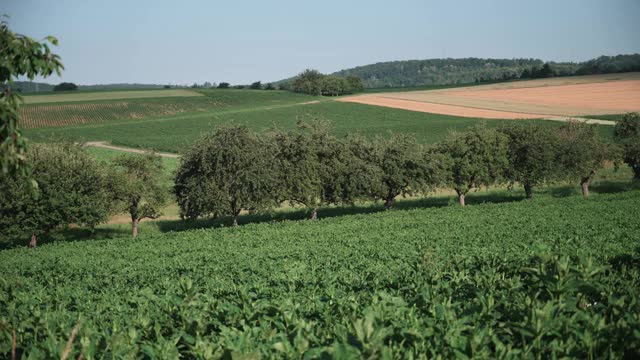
{"type": "Point", "coordinates": [476, 157]}
{"type": "Point", "coordinates": [333, 85]}
{"type": "Point", "coordinates": [355, 84]}
{"type": "Point", "coordinates": [627, 134]}
{"type": "Point", "coordinates": [67, 86]}
{"type": "Point", "coordinates": [141, 187]}
{"type": "Point", "coordinates": [19, 56]}
{"type": "Point", "coordinates": [308, 82]}
{"type": "Point", "coordinates": [533, 154]}
{"type": "Point", "coordinates": [224, 85]}
{"type": "Point", "coordinates": [303, 168]}
{"type": "Point", "coordinates": [269, 86]}
{"type": "Point", "coordinates": [284, 86]}
{"type": "Point", "coordinates": [226, 172]}
{"type": "Point", "coordinates": [73, 188]}
{"type": "Point", "coordinates": [256, 86]}
{"type": "Point", "coordinates": [582, 152]}
{"type": "Point", "coordinates": [318, 169]}
{"type": "Point", "coordinates": [402, 169]}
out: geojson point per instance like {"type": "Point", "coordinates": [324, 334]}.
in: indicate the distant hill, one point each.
{"type": "Point", "coordinates": [438, 71]}
{"type": "Point", "coordinates": [448, 71]}
{"type": "Point", "coordinates": [34, 87]}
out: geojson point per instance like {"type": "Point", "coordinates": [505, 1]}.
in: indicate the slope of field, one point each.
{"type": "Point", "coordinates": [571, 96]}
{"type": "Point", "coordinates": [106, 95]}
{"type": "Point", "coordinates": [61, 110]}
{"type": "Point", "coordinates": [174, 134]}
{"type": "Point", "coordinates": [552, 277]}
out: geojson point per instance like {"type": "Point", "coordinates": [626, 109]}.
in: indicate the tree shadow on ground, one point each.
{"type": "Point", "coordinates": [439, 201]}
{"type": "Point", "coordinates": [631, 260]}
{"type": "Point", "coordinates": [337, 211]}
{"type": "Point", "coordinates": [67, 235]}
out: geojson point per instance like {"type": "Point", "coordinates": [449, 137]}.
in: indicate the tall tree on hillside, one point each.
{"type": "Point", "coordinates": [308, 82]}
{"type": "Point", "coordinates": [256, 86]}
{"type": "Point", "coordinates": [19, 56]}
{"type": "Point", "coordinates": [627, 134]}
{"type": "Point", "coordinates": [582, 152]}
{"type": "Point", "coordinates": [476, 157]}
{"type": "Point", "coordinates": [141, 187]}
{"type": "Point", "coordinates": [226, 172]}
{"type": "Point", "coordinates": [72, 189]}
{"type": "Point", "coordinates": [533, 155]}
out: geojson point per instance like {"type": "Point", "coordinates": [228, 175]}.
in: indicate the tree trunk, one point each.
{"type": "Point", "coordinates": [585, 187]}
{"type": "Point", "coordinates": [461, 199]}
{"type": "Point", "coordinates": [528, 190]}
{"type": "Point", "coordinates": [235, 218]}
{"type": "Point", "coordinates": [388, 202]}
{"type": "Point", "coordinates": [134, 227]}
{"type": "Point", "coordinates": [314, 214]}
{"type": "Point", "coordinates": [34, 241]}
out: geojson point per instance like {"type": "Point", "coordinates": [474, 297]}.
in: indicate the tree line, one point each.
{"type": "Point", "coordinates": [313, 82]}
{"type": "Point", "coordinates": [235, 169]}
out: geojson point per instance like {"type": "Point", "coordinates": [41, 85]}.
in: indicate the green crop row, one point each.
{"type": "Point", "coordinates": [548, 278]}
{"type": "Point", "coordinates": [118, 111]}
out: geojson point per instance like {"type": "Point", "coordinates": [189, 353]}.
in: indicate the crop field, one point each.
{"type": "Point", "coordinates": [431, 281]}
{"type": "Point", "coordinates": [106, 95]}
{"type": "Point", "coordinates": [65, 112]}
{"type": "Point", "coordinates": [174, 134]}
{"type": "Point", "coordinates": [543, 98]}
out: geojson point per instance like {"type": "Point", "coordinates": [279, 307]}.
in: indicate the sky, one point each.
{"type": "Point", "coordinates": [241, 41]}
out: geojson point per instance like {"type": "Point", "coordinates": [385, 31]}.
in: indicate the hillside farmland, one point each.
{"type": "Point", "coordinates": [544, 98]}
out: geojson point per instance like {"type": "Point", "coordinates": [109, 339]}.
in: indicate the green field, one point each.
{"type": "Point", "coordinates": [118, 109]}
{"type": "Point", "coordinates": [74, 96]}
{"type": "Point", "coordinates": [175, 133]}
{"type": "Point", "coordinates": [435, 280]}
{"type": "Point", "coordinates": [107, 155]}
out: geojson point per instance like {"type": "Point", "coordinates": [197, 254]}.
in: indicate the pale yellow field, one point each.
{"type": "Point", "coordinates": [542, 98]}
{"type": "Point", "coordinates": [108, 95]}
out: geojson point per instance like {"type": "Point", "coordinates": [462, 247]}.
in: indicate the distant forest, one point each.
{"type": "Point", "coordinates": [469, 70]}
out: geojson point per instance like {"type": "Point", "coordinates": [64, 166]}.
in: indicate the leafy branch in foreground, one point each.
{"type": "Point", "coordinates": [19, 56]}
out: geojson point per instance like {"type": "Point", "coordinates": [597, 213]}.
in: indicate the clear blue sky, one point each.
{"type": "Point", "coordinates": [114, 41]}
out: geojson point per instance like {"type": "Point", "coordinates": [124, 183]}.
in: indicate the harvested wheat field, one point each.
{"type": "Point", "coordinates": [543, 98]}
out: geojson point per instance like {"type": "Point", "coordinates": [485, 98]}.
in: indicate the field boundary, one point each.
{"type": "Point", "coordinates": [105, 145]}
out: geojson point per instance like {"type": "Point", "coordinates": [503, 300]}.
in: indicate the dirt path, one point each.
{"type": "Point", "coordinates": [105, 145]}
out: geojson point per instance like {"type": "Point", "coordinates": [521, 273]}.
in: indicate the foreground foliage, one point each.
{"type": "Point", "coordinates": [19, 56]}
{"type": "Point", "coordinates": [544, 278]}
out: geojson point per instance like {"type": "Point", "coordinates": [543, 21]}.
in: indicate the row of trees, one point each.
{"type": "Point", "coordinates": [235, 169]}
{"type": "Point", "coordinates": [75, 189]}
{"type": "Point", "coordinates": [313, 82]}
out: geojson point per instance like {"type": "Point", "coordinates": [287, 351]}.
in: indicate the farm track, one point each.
{"type": "Point", "coordinates": [105, 145]}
